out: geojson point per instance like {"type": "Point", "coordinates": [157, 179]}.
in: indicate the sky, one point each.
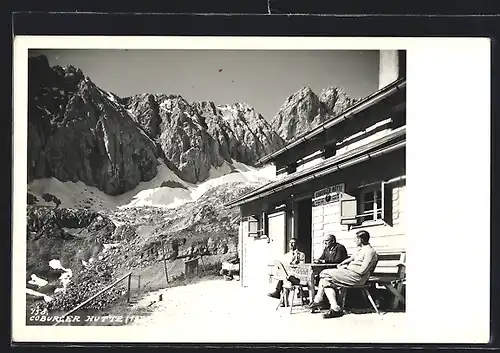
{"type": "Point", "coordinates": [263, 79]}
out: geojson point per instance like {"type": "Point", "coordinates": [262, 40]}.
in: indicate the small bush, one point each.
{"type": "Point", "coordinates": [50, 197]}
{"type": "Point", "coordinates": [172, 184]}
{"type": "Point", "coordinates": [32, 199]}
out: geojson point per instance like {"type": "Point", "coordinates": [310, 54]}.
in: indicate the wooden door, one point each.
{"type": "Point", "coordinates": [277, 235]}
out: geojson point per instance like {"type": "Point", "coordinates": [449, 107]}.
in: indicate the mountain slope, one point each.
{"type": "Point", "coordinates": [304, 110]}
{"type": "Point", "coordinates": [127, 175]}
{"type": "Point", "coordinates": [165, 190]}
{"type": "Point", "coordinates": [77, 132]}
{"type": "Point", "coordinates": [196, 137]}
{"type": "Point", "coordinates": [97, 249]}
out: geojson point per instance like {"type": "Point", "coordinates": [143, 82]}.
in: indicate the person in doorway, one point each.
{"type": "Point", "coordinates": [293, 257]}
{"type": "Point", "coordinates": [354, 270]}
{"type": "Point", "coordinates": [334, 253]}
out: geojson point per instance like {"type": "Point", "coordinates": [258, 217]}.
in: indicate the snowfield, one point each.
{"type": "Point", "coordinates": [148, 193]}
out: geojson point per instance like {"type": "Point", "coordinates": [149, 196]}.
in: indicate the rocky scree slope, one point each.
{"type": "Point", "coordinates": [81, 240]}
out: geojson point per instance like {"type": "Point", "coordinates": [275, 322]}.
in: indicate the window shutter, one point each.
{"type": "Point", "coordinates": [388, 208]}
{"type": "Point", "coordinates": [264, 224]}
{"type": "Point", "coordinates": [348, 210]}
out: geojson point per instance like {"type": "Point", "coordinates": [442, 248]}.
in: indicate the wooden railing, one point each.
{"type": "Point", "coordinates": [129, 275]}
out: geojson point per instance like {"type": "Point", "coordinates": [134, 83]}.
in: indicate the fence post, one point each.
{"type": "Point", "coordinates": [128, 287]}
{"type": "Point", "coordinates": [164, 260]}
{"type": "Point", "coordinates": [202, 264]}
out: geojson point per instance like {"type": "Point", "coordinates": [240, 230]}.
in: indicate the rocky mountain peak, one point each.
{"type": "Point", "coordinates": [79, 132]}
{"type": "Point", "coordinates": [304, 110]}
{"type": "Point", "coordinates": [205, 107]}
{"type": "Point", "coordinates": [300, 112]}
{"type": "Point", "coordinates": [336, 100]}
{"type": "Point", "coordinates": [198, 136]}
{"type": "Point", "coordinates": [304, 90]}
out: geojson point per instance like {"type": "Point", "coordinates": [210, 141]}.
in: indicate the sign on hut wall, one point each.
{"type": "Point", "coordinates": [327, 195]}
{"type": "Point", "coordinates": [332, 211]}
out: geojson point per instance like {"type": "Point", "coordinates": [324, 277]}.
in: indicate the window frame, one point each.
{"type": "Point", "coordinates": [372, 213]}
{"type": "Point", "coordinates": [378, 216]}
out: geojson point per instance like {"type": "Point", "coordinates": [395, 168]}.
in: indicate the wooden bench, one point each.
{"type": "Point", "coordinates": [389, 273]}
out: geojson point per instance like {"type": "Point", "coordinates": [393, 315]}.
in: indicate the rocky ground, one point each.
{"type": "Point", "coordinates": [115, 241]}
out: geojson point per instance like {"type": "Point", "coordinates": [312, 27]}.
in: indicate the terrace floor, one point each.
{"type": "Point", "coordinates": [223, 311]}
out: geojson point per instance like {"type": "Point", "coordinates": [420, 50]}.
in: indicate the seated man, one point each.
{"type": "Point", "coordinates": [334, 253]}
{"type": "Point", "coordinates": [354, 270]}
{"type": "Point", "coordinates": [293, 257]}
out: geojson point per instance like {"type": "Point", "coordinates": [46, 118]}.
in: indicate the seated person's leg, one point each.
{"type": "Point", "coordinates": [335, 309]}
{"type": "Point", "coordinates": [332, 298]}
{"type": "Point", "coordinates": [329, 272]}
{"type": "Point", "coordinates": [319, 299]}
{"type": "Point", "coordinates": [321, 290]}
{"type": "Point", "coordinates": [276, 290]}
{"type": "Point", "coordinates": [286, 296]}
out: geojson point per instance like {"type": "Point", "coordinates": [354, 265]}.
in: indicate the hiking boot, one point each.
{"type": "Point", "coordinates": [316, 310]}
{"type": "Point", "coordinates": [316, 307]}
{"type": "Point", "coordinates": [275, 295]}
{"type": "Point", "coordinates": [332, 313]}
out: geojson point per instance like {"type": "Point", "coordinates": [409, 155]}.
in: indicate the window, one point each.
{"type": "Point", "coordinates": [370, 204]}
{"type": "Point", "coordinates": [252, 226]}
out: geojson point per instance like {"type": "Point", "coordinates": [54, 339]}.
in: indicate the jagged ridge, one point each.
{"type": "Point", "coordinates": [79, 132]}
{"type": "Point", "coordinates": [304, 110]}
{"type": "Point", "coordinates": [198, 136]}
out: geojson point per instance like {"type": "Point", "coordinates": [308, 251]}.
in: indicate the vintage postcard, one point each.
{"type": "Point", "coordinates": [245, 189]}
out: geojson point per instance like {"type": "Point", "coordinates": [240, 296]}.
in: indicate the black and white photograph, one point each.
{"type": "Point", "coordinates": [208, 194]}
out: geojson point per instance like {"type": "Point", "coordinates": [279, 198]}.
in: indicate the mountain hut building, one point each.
{"type": "Point", "coordinates": [344, 175]}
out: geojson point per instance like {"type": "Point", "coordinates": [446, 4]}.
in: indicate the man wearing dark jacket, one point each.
{"type": "Point", "coordinates": [334, 252]}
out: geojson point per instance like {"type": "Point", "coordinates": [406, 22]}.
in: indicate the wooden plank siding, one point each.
{"type": "Point", "coordinates": [325, 219]}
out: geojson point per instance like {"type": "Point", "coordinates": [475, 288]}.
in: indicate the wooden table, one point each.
{"type": "Point", "coordinates": [307, 273]}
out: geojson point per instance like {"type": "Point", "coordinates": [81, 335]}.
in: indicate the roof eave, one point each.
{"type": "Point", "coordinates": [304, 174]}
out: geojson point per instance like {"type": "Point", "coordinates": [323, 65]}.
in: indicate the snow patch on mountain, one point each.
{"type": "Point", "coordinates": [166, 189]}
{"type": "Point", "coordinates": [171, 197]}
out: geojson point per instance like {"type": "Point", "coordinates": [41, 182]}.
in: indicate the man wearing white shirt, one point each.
{"type": "Point", "coordinates": [293, 257]}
